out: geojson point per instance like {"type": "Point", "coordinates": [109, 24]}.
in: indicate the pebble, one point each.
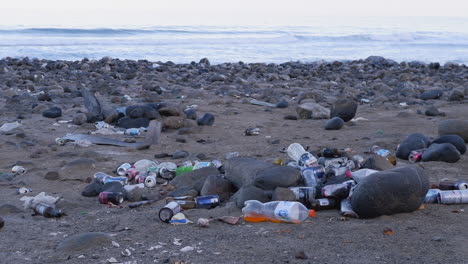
{"type": "Point", "coordinates": [206, 119]}
{"type": "Point", "coordinates": [181, 154]}
{"type": "Point", "coordinates": [432, 111]}
{"type": "Point", "coordinates": [52, 112]}
{"type": "Point", "coordinates": [334, 124]}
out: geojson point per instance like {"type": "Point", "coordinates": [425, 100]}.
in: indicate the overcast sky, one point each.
{"type": "Point", "coordinates": [211, 12]}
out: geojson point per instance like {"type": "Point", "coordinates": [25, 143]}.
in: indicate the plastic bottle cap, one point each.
{"type": "Point", "coordinates": [311, 213]}
{"type": "Point", "coordinates": [348, 174]}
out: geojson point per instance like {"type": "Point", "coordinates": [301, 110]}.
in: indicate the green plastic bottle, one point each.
{"type": "Point", "coordinates": [183, 169]}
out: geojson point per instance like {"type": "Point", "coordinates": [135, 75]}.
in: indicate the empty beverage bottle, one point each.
{"type": "Point", "coordinates": [304, 194]}
{"type": "Point", "coordinates": [338, 191]}
{"type": "Point", "coordinates": [183, 169]}
{"type": "Point", "coordinates": [360, 175]}
{"type": "Point", "coordinates": [47, 211]}
{"type": "Point", "coordinates": [301, 156]}
{"type": "Point", "coordinates": [278, 212]}
{"type": "Point", "coordinates": [322, 204]}
{"type": "Point", "coordinates": [453, 197]}
{"type": "Point", "coordinates": [384, 153]}
{"type": "Point", "coordinates": [185, 202]}
{"type": "Point", "coordinates": [207, 201]}
{"type": "Point", "coordinates": [168, 211]}
{"type": "Point", "coordinates": [202, 164]}
{"type": "Point", "coordinates": [116, 198]}
{"type": "Point", "coordinates": [105, 178]}
{"type": "Point", "coordinates": [309, 178]}
{"type": "Point", "coordinates": [450, 185]}
{"type": "Point", "coordinates": [145, 165]}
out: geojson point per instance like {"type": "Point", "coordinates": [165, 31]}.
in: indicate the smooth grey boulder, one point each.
{"type": "Point", "coordinates": [52, 112]}
{"type": "Point", "coordinates": [399, 190]}
{"type": "Point", "coordinates": [335, 123]}
{"type": "Point", "coordinates": [412, 142]}
{"type": "Point", "coordinates": [78, 169]}
{"type": "Point", "coordinates": [454, 127]}
{"type": "Point", "coordinates": [432, 111]}
{"type": "Point", "coordinates": [283, 194]}
{"type": "Point", "coordinates": [243, 170]}
{"type": "Point", "coordinates": [250, 192]}
{"type": "Point", "coordinates": [92, 105]}
{"type": "Point", "coordinates": [277, 176]}
{"type": "Point", "coordinates": [194, 179]}
{"type": "Point", "coordinates": [312, 111]}
{"type": "Point", "coordinates": [344, 108]}
{"type": "Point", "coordinates": [217, 184]}
{"type": "Point", "coordinates": [206, 119]}
{"type": "Point", "coordinates": [441, 152]}
{"type": "Point", "coordinates": [455, 140]}
{"type": "Point", "coordinates": [431, 94]}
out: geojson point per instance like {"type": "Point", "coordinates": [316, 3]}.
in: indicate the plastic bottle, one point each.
{"type": "Point", "coordinates": [144, 165]}
{"type": "Point", "coordinates": [185, 202]}
{"type": "Point", "coordinates": [304, 194]}
{"type": "Point", "coordinates": [384, 153]}
{"type": "Point", "coordinates": [323, 204]}
{"type": "Point", "coordinates": [309, 178]}
{"type": "Point", "coordinates": [278, 212]}
{"type": "Point", "coordinates": [301, 156]}
{"type": "Point", "coordinates": [359, 175]}
{"type": "Point", "coordinates": [202, 164]}
{"type": "Point", "coordinates": [183, 169]}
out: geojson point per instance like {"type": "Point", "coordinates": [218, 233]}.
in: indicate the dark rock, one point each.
{"type": "Point", "coordinates": [441, 152]}
{"type": "Point", "coordinates": [399, 190]}
{"type": "Point", "coordinates": [300, 255]}
{"type": "Point", "coordinates": [454, 127]}
{"type": "Point", "coordinates": [277, 176]}
{"type": "Point", "coordinates": [2, 223]}
{"type": "Point", "coordinates": [194, 179]}
{"type": "Point", "coordinates": [334, 124]}
{"type": "Point", "coordinates": [190, 113]}
{"type": "Point", "coordinates": [345, 109]}
{"type": "Point", "coordinates": [79, 119]}
{"type": "Point", "coordinates": [217, 184]}
{"type": "Point", "coordinates": [181, 154]}
{"type": "Point", "coordinates": [282, 104]}
{"type": "Point", "coordinates": [4, 177]}
{"type": "Point", "coordinates": [249, 192]}
{"type": "Point", "coordinates": [206, 119]}
{"type": "Point", "coordinates": [376, 162]}
{"type": "Point", "coordinates": [6, 209]}
{"type": "Point", "coordinates": [139, 194]}
{"type": "Point", "coordinates": [432, 111]}
{"type": "Point", "coordinates": [52, 112]}
{"type": "Point", "coordinates": [84, 241]}
{"type": "Point", "coordinates": [414, 141]}
{"type": "Point", "coordinates": [456, 95]}
{"type": "Point", "coordinates": [52, 176]}
{"type": "Point", "coordinates": [431, 94]}
{"type": "Point", "coordinates": [283, 194]}
{"type": "Point", "coordinates": [455, 140]}
{"type": "Point", "coordinates": [92, 105]}
{"type": "Point", "coordinates": [184, 191]}
{"type": "Point", "coordinates": [173, 122]}
{"type": "Point", "coordinates": [78, 169]}
{"type": "Point", "coordinates": [290, 117]}
{"type": "Point", "coordinates": [139, 111]}
{"type": "Point", "coordinates": [243, 170]}
{"type": "Point", "coordinates": [170, 111]}
{"type": "Point", "coordinates": [161, 155]}
{"type": "Point", "coordinates": [181, 140]}
{"type": "Point", "coordinates": [93, 189]}
{"type": "Point", "coordinates": [127, 122]}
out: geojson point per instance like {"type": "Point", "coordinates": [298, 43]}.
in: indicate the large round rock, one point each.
{"type": "Point", "coordinates": [243, 170]}
{"type": "Point", "coordinates": [414, 141]}
{"type": "Point", "coordinates": [344, 108]}
{"type": "Point", "coordinates": [250, 192]}
{"type": "Point", "coordinates": [455, 140]}
{"type": "Point", "coordinates": [441, 152]}
{"type": "Point", "coordinates": [334, 124]}
{"type": "Point", "coordinates": [277, 176]}
{"type": "Point", "coordinates": [431, 94]}
{"type": "Point", "coordinates": [454, 127]}
{"type": "Point", "coordinates": [399, 190]}
{"type": "Point", "coordinates": [217, 184]}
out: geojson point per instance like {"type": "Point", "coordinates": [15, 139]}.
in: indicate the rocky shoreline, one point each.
{"type": "Point", "coordinates": [205, 112]}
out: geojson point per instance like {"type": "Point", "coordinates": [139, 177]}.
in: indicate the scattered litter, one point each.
{"type": "Point", "coordinates": [232, 220]}
{"type": "Point", "coordinates": [179, 219]}
{"type": "Point", "coordinates": [252, 131]}
{"type": "Point", "coordinates": [186, 249]}
{"type": "Point", "coordinates": [357, 119]}
{"type": "Point", "coordinates": [9, 126]}
{"type": "Point", "coordinates": [112, 260]}
{"type": "Point", "coordinates": [177, 242]}
{"type": "Point", "coordinates": [115, 244]}
{"type": "Point", "coordinates": [31, 202]}
{"type": "Point", "coordinates": [387, 231]}
{"type": "Point", "coordinates": [203, 222]}
{"type": "Point", "coordinates": [126, 253]}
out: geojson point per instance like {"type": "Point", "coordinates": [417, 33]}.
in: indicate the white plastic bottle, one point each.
{"type": "Point", "coordinates": [359, 175]}
{"type": "Point", "coordinates": [278, 212]}
{"type": "Point", "coordinates": [301, 156]}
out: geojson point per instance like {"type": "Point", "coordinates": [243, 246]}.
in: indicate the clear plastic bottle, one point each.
{"type": "Point", "coordinates": [278, 212]}
{"type": "Point", "coordinates": [384, 153]}
{"type": "Point", "coordinates": [359, 175]}
{"type": "Point", "coordinates": [301, 156]}
{"type": "Point", "coordinates": [309, 178]}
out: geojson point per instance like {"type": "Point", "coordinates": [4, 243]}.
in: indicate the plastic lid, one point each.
{"type": "Point", "coordinates": [311, 213]}
{"type": "Point", "coordinates": [348, 174]}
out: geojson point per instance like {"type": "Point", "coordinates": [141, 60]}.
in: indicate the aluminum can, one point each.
{"type": "Point", "coordinates": [122, 169]}
{"type": "Point", "coordinates": [207, 201]}
{"type": "Point", "coordinates": [18, 170]}
{"type": "Point", "coordinates": [168, 211]}
{"type": "Point", "coordinates": [116, 198]}
{"type": "Point", "coordinates": [453, 197]}
{"type": "Point", "coordinates": [416, 155]}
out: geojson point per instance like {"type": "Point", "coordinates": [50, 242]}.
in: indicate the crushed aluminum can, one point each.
{"type": "Point", "coordinates": [150, 181]}
{"type": "Point", "coordinates": [431, 196]}
{"type": "Point", "coordinates": [252, 131]}
{"type": "Point", "coordinates": [416, 155]}
{"type": "Point", "coordinates": [18, 170]}
{"type": "Point", "coordinates": [122, 169]}
{"type": "Point", "coordinates": [23, 190]}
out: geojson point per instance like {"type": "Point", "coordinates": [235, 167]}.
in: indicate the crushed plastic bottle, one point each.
{"type": "Point", "coordinates": [278, 212]}
{"type": "Point", "coordinates": [359, 175]}
{"type": "Point", "coordinates": [384, 153]}
{"type": "Point", "coordinates": [301, 156]}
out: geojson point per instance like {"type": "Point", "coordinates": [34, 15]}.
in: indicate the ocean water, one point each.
{"type": "Point", "coordinates": [433, 39]}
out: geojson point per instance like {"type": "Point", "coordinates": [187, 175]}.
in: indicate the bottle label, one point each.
{"type": "Point", "coordinates": [284, 211]}
{"type": "Point", "coordinates": [383, 152]}
{"type": "Point", "coordinates": [324, 202]}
